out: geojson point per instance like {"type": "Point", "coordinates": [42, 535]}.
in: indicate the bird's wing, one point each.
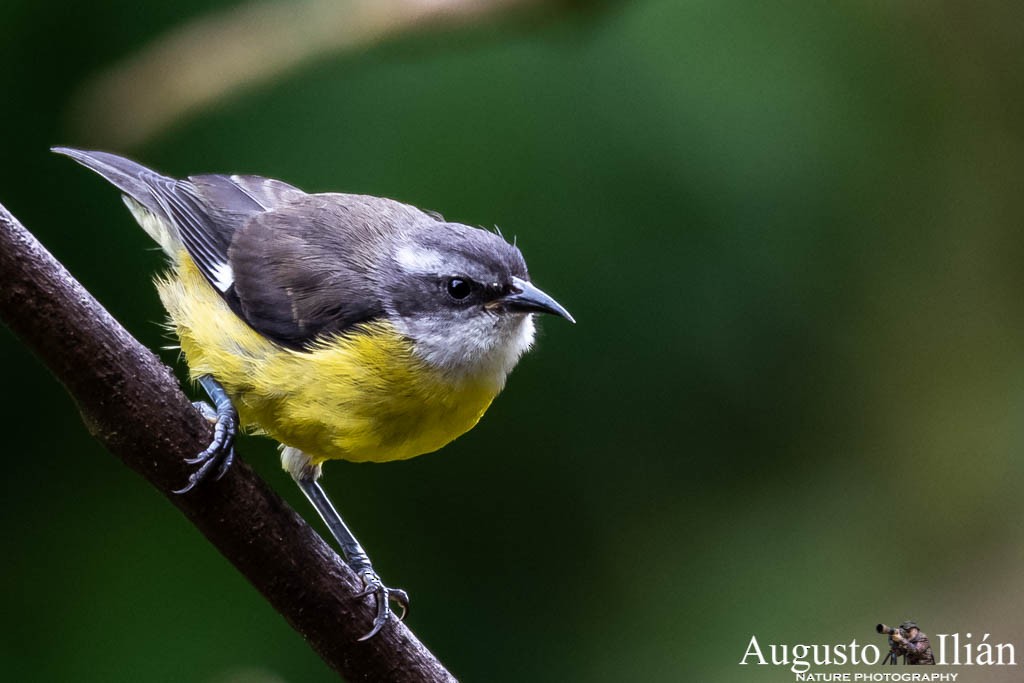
{"type": "Point", "coordinates": [209, 209]}
{"type": "Point", "coordinates": [312, 268]}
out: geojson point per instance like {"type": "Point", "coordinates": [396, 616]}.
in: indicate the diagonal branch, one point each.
{"type": "Point", "coordinates": [133, 405]}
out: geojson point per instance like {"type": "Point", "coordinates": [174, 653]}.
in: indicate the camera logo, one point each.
{"type": "Point", "coordinates": [909, 642]}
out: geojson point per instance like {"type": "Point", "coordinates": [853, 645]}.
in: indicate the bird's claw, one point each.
{"type": "Point", "coordinates": [372, 585]}
{"type": "Point", "coordinates": [221, 451]}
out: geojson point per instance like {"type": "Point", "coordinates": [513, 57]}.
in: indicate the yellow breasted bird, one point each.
{"type": "Point", "coordinates": [344, 326]}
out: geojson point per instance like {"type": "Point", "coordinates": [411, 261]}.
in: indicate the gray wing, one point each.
{"type": "Point", "coordinates": [311, 269]}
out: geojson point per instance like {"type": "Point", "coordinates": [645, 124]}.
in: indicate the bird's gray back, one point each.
{"type": "Point", "coordinates": [314, 266]}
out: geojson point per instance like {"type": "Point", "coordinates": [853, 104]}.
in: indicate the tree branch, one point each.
{"type": "Point", "coordinates": [133, 405]}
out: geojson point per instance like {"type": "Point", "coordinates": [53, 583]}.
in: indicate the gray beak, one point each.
{"type": "Point", "coordinates": [528, 299]}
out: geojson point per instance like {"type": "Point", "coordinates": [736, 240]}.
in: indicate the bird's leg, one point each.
{"type": "Point", "coordinates": [306, 475]}
{"type": "Point", "coordinates": [221, 451]}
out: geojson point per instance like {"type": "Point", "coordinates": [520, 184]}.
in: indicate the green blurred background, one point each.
{"type": "Point", "coordinates": [793, 405]}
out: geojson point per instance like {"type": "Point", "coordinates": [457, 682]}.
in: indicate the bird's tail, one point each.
{"type": "Point", "coordinates": [136, 182]}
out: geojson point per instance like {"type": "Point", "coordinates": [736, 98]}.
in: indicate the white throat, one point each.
{"type": "Point", "coordinates": [480, 347]}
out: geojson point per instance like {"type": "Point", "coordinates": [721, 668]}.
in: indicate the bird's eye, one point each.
{"type": "Point", "coordinates": [459, 288]}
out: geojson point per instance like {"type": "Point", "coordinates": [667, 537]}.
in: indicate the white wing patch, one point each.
{"type": "Point", "coordinates": [223, 277]}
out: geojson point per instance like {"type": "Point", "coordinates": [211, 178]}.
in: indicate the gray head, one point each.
{"type": "Point", "coordinates": [464, 296]}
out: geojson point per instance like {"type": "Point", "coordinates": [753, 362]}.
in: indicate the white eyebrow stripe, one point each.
{"type": "Point", "coordinates": [415, 260]}
{"type": "Point", "coordinates": [223, 276]}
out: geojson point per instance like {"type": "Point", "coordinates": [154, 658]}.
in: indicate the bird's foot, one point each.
{"type": "Point", "coordinates": [382, 595]}
{"type": "Point", "coordinates": [218, 456]}
{"type": "Point", "coordinates": [355, 557]}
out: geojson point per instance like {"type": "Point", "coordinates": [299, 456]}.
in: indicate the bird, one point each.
{"type": "Point", "coordinates": [343, 326]}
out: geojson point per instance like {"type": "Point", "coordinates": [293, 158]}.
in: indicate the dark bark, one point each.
{"type": "Point", "coordinates": [133, 405]}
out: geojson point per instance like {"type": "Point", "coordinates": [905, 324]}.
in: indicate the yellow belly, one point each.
{"type": "Point", "coordinates": [361, 396]}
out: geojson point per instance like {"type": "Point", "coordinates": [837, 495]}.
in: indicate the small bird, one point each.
{"type": "Point", "coordinates": [343, 326]}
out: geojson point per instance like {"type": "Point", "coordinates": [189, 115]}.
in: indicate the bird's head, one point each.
{"type": "Point", "coordinates": [464, 296]}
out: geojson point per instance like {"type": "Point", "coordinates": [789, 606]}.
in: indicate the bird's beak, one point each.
{"type": "Point", "coordinates": [526, 298]}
